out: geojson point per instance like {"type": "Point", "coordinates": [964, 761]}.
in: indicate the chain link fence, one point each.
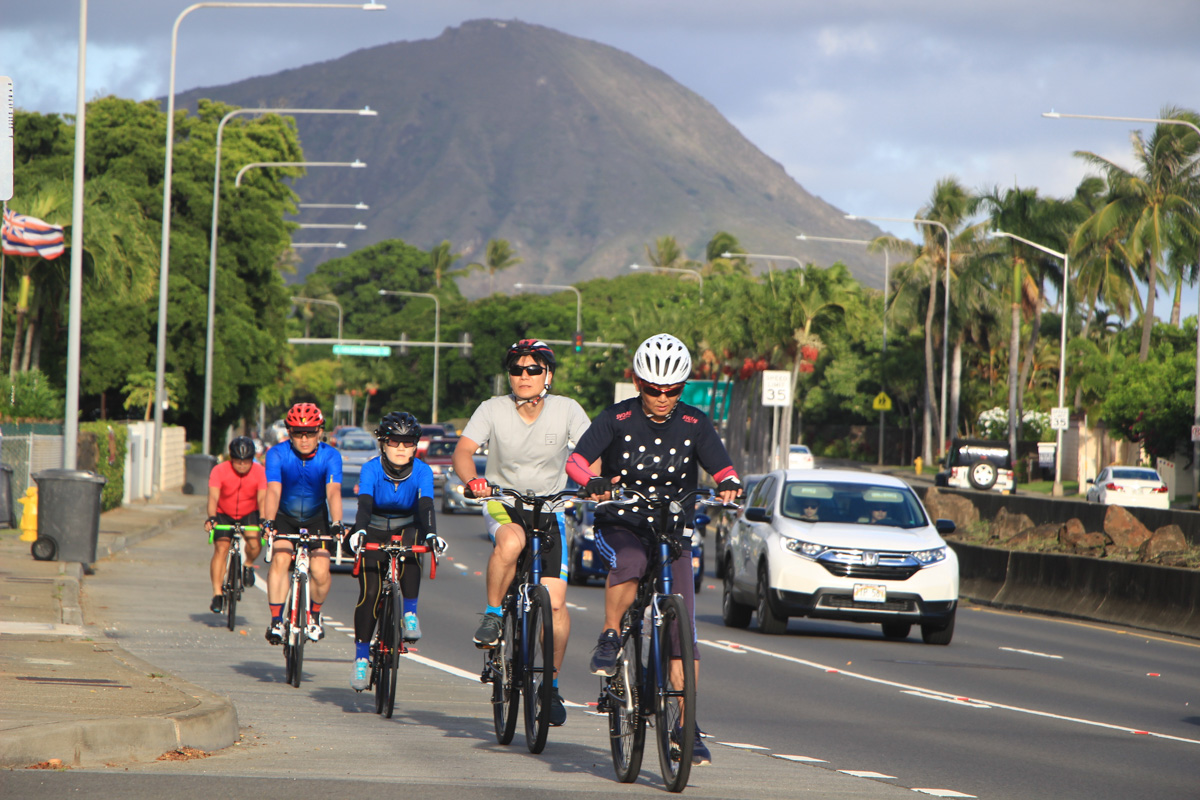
{"type": "Point", "coordinates": [28, 454]}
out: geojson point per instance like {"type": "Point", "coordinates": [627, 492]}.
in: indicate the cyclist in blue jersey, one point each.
{"type": "Point", "coordinates": [304, 488]}
{"type": "Point", "coordinates": [395, 498]}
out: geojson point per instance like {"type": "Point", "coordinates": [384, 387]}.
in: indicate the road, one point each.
{"type": "Point", "coordinates": [1018, 706]}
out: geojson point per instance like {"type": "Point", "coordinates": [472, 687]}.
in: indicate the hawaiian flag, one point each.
{"type": "Point", "coordinates": [29, 236]}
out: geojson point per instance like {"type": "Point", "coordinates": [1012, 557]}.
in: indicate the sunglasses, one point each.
{"type": "Point", "coordinates": [656, 391]}
{"type": "Point", "coordinates": [305, 434]}
{"type": "Point", "coordinates": [528, 369]}
{"type": "Point", "coordinates": [393, 441]}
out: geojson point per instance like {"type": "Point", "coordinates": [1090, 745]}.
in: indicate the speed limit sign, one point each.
{"type": "Point", "coordinates": [777, 388]}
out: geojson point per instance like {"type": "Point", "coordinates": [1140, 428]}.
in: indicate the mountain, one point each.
{"type": "Point", "coordinates": [578, 153]}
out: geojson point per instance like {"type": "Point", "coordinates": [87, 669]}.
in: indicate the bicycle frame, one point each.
{"type": "Point", "coordinates": [297, 619]}
{"type": "Point", "coordinates": [235, 559]}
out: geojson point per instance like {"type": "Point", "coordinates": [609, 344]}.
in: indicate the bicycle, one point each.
{"type": "Point", "coordinates": [522, 660]}
{"type": "Point", "coordinates": [387, 645]}
{"type": "Point", "coordinates": [642, 691]}
{"type": "Point", "coordinates": [297, 612]}
{"type": "Point", "coordinates": [232, 586]}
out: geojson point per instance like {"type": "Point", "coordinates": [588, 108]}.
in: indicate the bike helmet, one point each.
{"type": "Point", "coordinates": [241, 448]}
{"type": "Point", "coordinates": [662, 360]}
{"type": "Point", "coordinates": [304, 415]}
{"type": "Point", "coordinates": [399, 424]}
{"type": "Point", "coordinates": [540, 351]}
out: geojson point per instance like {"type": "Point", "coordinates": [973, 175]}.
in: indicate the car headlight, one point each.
{"type": "Point", "coordinates": [458, 487]}
{"type": "Point", "coordinates": [805, 549]}
{"type": "Point", "coordinates": [927, 557]}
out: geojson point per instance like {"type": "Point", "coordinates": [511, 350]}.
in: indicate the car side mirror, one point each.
{"type": "Point", "coordinates": [757, 515]}
{"type": "Point", "coordinates": [1091, 480]}
{"type": "Point", "coordinates": [945, 526]}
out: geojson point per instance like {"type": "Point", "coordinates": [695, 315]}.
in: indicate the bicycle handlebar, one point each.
{"type": "Point", "coordinates": [704, 496]}
{"type": "Point", "coordinates": [246, 528]}
{"type": "Point", "coordinates": [398, 549]}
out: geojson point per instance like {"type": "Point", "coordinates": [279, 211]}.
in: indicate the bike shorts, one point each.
{"type": "Point", "coordinates": [554, 544]}
{"type": "Point", "coordinates": [224, 519]}
{"type": "Point", "coordinates": [381, 536]}
{"type": "Point", "coordinates": [317, 525]}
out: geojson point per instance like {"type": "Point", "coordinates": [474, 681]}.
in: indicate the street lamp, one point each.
{"type": "Point", "coordinates": [160, 366]}
{"type": "Point", "coordinates": [945, 315]}
{"type": "Point", "coordinates": [355, 206]}
{"type": "Point", "coordinates": [299, 245]}
{"type": "Point", "coordinates": [212, 247]}
{"type": "Point", "coordinates": [1196, 406]}
{"type": "Point", "coordinates": [357, 226]}
{"type": "Point", "coordinates": [437, 339]}
{"type": "Point", "coordinates": [691, 272]}
{"type": "Point", "coordinates": [304, 300]}
{"type": "Point", "coordinates": [355, 164]}
{"type": "Point", "coordinates": [578, 298]}
{"type": "Point", "coordinates": [886, 280]}
{"type": "Point", "coordinates": [1062, 356]}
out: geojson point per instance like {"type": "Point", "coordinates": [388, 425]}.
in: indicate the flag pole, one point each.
{"type": "Point", "coordinates": [2, 271]}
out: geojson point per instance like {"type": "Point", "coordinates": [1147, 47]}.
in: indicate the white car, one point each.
{"type": "Point", "coordinates": [841, 545]}
{"type": "Point", "coordinates": [799, 457]}
{"type": "Point", "coordinates": [1140, 487]}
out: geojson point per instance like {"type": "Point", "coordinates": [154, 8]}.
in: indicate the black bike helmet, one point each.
{"type": "Point", "coordinates": [540, 351]}
{"type": "Point", "coordinates": [399, 424]}
{"type": "Point", "coordinates": [241, 448]}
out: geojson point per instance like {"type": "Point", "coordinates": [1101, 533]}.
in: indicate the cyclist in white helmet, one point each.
{"type": "Point", "coordinates": [654, 443]}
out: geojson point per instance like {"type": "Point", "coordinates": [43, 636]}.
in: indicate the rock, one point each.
{"type": "Point", "coordinates": [1037, 535]}
{"type": "Point", "coordinates": [1090, 544]}
{"type": "Point", "coordinates": [951, 506]}
{"type": "Point", "coordinates": [1124, 529]}
{"type": "Point", "coordinates": [1167, 540]}
{"type": "Point", "coordinates": [1006, 525]}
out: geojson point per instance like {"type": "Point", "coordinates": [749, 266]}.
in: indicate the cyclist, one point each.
{"type": "Point", "coordinates": [236, 491]}
{"type": "Point", "coordinates": [304, 487]}
{"type": "Point", "coordinates": [654, 443]}
{"type": "Point", "coordinates": [528, 434]}
{"type": "Point", "coordinates": [395, 497]}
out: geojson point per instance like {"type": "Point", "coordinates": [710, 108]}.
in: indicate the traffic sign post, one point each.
{"type": "Point", "coordinates": [777, 393]}
{"type": "Point", "coordinates": [1060, 419]}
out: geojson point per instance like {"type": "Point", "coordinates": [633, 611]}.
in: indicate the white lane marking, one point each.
{"type": "Point", "coordinates": [429, 662]}
{"type": "Point", "coordinates": [577, 608]}
{"type": "Point", "coordinates": [1018, 709]}
{"type": "Point", "coordinates": [41, 629]}
{"type": "Point", "coordinates": [1029, 652]}
{"type": "Point", "coordinates": [726, 647]}
{"type": "Point", "coordinates": [48, 662]}
{"type": "Point", "coordinates": [343, 629]}
{"type": "Point", "coordinates": [741, 746]}
{"type": "Point", "coordinates": [463, 567]}
{"type": "Point", "coordinates": [956, 700]}
{"type": "Point", "coordinates": [943, 793]}
{"type": "Point", "coordinates": [800, 759]}
{"type": "Point", "coordinates": [866, 773]}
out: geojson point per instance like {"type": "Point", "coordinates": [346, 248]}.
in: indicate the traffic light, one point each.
{"type": "Point", "coordinates": [404, 348]}
{"type": "Point", "coordinates": [578, 341]}
{"type": "Point", "coordinates": [465, 344]}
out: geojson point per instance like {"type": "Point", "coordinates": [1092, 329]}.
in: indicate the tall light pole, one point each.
{"type": "Point", "coordinates": [164, 269]}
{"type": "Point", "coordinates": [437, 339]}
{"type": "Point", "coordinates": [945, 315]}
{"type": "Point", "coordinates": [306, 300]}
{"type": "Point", "coordinates": [694, 273]}
{"type": "Point", "coordinates": [1196, 406]}
{"type": "Point", "coordinates": [355, 206]}
{"type": "Point", "coordinates": [355, 164]}
{"type": "Point", "coordinates": [302, 245]}
{"type": "Point", "coordinates": [350, 226]}
{"type": "Point", "coordinates": [75, 292]}
{"type": "Point", "coordinates": [1062, 356]}
{"type": "Point", "coordinates": [578, 297]}
{"type": "Point", "coordinates": [886, 282]}
{"type": "Point", "coordinates": [212, 246]}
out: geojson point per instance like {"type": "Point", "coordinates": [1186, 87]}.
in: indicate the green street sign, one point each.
{"type": "Point", "coordinates": [699, 393]}
{"type": "Point", "coordinates": [361, 350]}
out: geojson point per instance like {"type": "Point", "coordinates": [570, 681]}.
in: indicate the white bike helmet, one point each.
{"type": "Point", "coordinates": [662, 360]}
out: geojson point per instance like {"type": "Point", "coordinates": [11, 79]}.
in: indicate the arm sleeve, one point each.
{"type": "Point", "coordinates": [366, 506]}
{"type": "Point", "coordinates": [426, 524]}
{"type": "Point", "coordinates": [579, 470]}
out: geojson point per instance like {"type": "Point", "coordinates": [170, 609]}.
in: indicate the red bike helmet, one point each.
{"type": "Point", "coordinates": [304, 415]}
{"type": "Point", "coordinates": [540, 351]}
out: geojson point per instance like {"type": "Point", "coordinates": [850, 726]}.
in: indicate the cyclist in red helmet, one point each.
{"type": "Point", "coordinates": [304, 490]}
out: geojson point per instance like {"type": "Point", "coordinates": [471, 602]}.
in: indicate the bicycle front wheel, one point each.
{"type": "Point", "coordinates": [538, 672]}
{"type": "Point", "coordinates": [393, 653]}
{"type": "Point", "coordinates": [626, 723]}
{"type": "Point", "coordinates": [297, 634]}
{"type": "Point", "coordinates": [233, 585]}
{"type": "Point", "coordinates": [383, 656]}
{"type": "Point", "coordinates": [505, 689]}
{"type": "Point", "coordinates": [673, 667]}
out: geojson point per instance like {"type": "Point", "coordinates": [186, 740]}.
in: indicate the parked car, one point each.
{"type": "Point", "coordinates": [1137, 487]}
{"type": "Point", "coordinates": [840, 545]}
{"type": "Point", "coordinates": [432, 431]}
{"type": "Point", "coordinates": [799, 457]}
{"type": "Point", "coordinates": [276, 433]}
{"type": "Point", "coordinates": [454, 497]}
{"type": "Point", "coordinates": [439, 456]}
{"type": "Point", "coordinates": [344, 430]}
{"type": "Point", "coordinates": [977, 464]}
{"type": "Point", "coordinates": [357, 448]}
{"type": "Point", "coordinates": [724, 522]}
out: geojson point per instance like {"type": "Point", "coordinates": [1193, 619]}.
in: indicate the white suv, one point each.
{"type": "Point", "coordinates": [842, 545]}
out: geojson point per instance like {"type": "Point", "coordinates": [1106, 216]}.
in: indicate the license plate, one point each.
{"type": "Point", "coordinates": [870, 593]}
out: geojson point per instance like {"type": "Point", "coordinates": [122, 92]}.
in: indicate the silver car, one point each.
{"type": "Point", "coordinates": [356, 449]}
{"type": "Point", "coordinates": [454, 498]}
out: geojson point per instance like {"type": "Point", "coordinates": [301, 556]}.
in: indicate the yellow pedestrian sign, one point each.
{"type": "Point", "coordinates": [882, 402]}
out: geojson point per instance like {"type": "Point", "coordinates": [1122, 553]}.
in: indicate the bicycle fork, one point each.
{"type": "Point", "coordinates": [298, 617]}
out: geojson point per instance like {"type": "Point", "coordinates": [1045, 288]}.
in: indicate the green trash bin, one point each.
{"type": "Point", "coordinates": [68, 515]}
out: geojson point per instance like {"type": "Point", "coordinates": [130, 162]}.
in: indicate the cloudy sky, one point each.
{"type": "Point", "coordinates": [865, 102]}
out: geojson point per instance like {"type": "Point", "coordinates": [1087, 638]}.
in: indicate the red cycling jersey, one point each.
{"type": "Point", "coordinates": [239, 493]}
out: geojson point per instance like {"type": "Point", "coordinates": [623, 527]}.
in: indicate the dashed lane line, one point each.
{"type": "Point", "coordinates": [1029, 652]}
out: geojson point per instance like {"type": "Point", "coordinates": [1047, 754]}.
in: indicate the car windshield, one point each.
{"type": "Point", "coordinates": [357, 443]}
{"type": "Point", "coordinates": [442, 448]}
{"type": "Point", "coordinates": [859, 503]}
{"type": "Point", "coordinates": [1136, 475]}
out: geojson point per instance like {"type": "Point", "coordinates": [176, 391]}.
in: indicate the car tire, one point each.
{"type": "Point", "coordinates": [733, 613]}
{"type": "Point", "coordinates": [982, 476]}
{"type": "Point", "coordinates": [719, 547]}
{"type": "Point", "coordinates": [896, 630]}
{"type": "Point", "coordinates": [574, 574]}
{"type": "Point", "coordinates": [939, 634]}
{"type": "Point", "coordinates": [768, 621]}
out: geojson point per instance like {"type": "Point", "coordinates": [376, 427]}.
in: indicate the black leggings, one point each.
{"type": "Point", "coordinates": [371, 576]}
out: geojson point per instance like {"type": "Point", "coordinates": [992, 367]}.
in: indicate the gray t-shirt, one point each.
{"type": "Point", "coordinates": [527, 456]}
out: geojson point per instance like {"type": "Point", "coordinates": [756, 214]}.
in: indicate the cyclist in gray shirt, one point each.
{"type": "Point", "coordinates": [528, 434]}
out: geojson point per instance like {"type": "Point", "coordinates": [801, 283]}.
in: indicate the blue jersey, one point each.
{"type": "Point", "coordinates": [303, 481]}
{"type": "Point", "coordinates": [395, 498]}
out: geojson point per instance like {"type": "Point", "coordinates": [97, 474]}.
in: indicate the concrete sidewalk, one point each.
{"type": "Point", "coordinates": [69, 693]}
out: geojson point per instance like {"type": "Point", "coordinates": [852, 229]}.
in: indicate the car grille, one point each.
{"type": "Point", "coordinates": [847, 602]}
{"type": "Point", "coordinates": [888, 566]}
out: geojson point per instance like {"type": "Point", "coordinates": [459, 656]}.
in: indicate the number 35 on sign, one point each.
{"type": "Point", "coordinates": [777, 388]}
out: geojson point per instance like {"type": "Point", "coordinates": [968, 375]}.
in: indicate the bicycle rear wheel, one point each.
{"type": "Point", "coordinates": [674, 706]}
{"type": "Point", "coordinates": [626, 723]}
{"type": "Point", "coordinates": [383, 656]}
{"type": "Point", "coordinates": [297, 633]}
{"type": "Point", "coordinates": [538, 668]}
{"type": "Point", "coordinates": [505, 686]}
{"type": "Point", "coordinates": [393, 656]}
{"type": "Point", "coordinates": [232, 586]}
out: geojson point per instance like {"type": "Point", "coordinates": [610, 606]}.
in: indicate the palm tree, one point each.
{"type": "Point", "coordinates": [440, 262]}
{"type": "Point", "coordinates": [498, 256]}
{"type": "Point", "coordinates": [666, 253]}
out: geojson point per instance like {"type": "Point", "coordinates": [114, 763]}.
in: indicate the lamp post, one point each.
{"type": "Point", "coordinates": [160, 366]}
{"type": "Point", "coordinates": [304, 300]}
{"type": "Point", "coordinates": [1196, 406]}
{"type": "Point", "coordinates": [300, 245]}
{"type": "Point", "coordinates": [437, 339]}
{"type": "Point", "coordinates": [945, 315]}
{"type": "Point", "coordinates": [695, 274]}
{"type": "Point", "coordinates": [886, 281]}
{"type": "Point", "coordinates": [355, 164]}
{"type": "Point", "coordinates": [578, 298]}
{"type": "Point", "coordinates": [355, 206]}
{"type": "Point", "coordinates": [212, 247]}
{"type": "Point", "coordinates": [356, 226]}
{"type": "Point", "coordinates": [75, 290]}
{"type": "Point", "coordinates": [1062, 356]}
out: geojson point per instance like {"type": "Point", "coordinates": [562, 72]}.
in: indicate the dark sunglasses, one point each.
{"type": "Point", "coordinates": [655, 391]}
{"type": "Point", "coordinates": [528, 369]}
{"type": "Point", "coordinates": [309, 434]}
{"type": "Point", "coordinates": [395, 441]}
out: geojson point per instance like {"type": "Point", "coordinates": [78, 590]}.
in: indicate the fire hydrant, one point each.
{"type": "Point", "coordinates": [29, 520]}
{"type": "Point", "coordinates": [918, 463]}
